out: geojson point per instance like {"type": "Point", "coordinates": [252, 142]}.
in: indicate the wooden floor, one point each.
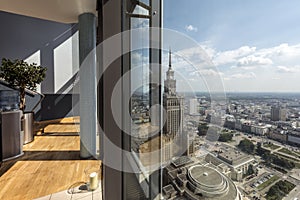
{"type": "Point", "coordinates": [50, 164]}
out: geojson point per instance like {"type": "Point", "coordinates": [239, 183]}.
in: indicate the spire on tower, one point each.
{"type": "Point", "coordinates": [170, 82]}
{"type": "Point", "coordinates": [170, 61]}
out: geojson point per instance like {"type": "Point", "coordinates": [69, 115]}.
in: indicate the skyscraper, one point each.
{"type": "Point", "coordinates": [193, 107]}
{"type": "Point", "coordinates": [173, 115]}
{"type": "Point", "coordinates": [278, 114]}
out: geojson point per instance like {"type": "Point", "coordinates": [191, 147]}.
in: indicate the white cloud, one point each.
{"type": "Point", "coordinates": [190, 28]}
{"type": "Point", "coordinates": [209, 51]}
{"type": "Point", "coordinates": [211, 72]}
{"type": "Point", "coordinates": [139, 23]}
{"type": "Point", "coordinates": [282, 55]}
{"type": "Point", "coordinates": [227, 57]}
{"type": "Point", "coordinates": [284, 50]}
{"type": "Point", "coordinates": [139, 60]}
{"type": "Point", "coordinates": [206, 72]}
{"type": "Point", "coordinates": [276, 78]}
{"type": "Point", "coordinates": [281, 59]}
{"type": "Point", "coordinates": [249, 75]}
{"type": "Point", "coordinates": [194, 57]}
{"type": "Point", "coordinates": [253, 60]}
{"type": "Point", "coordinates": [284, 69]}
{"type": "Point", "coordinates": [246, 68]}
{"type": "Point", "coordinates": [136, 58]}
{"type": "Point", "coordinates": [246, 56]}
{"type": "Point", "coordinates": [140, 10]}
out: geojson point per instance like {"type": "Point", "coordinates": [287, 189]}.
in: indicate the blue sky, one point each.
{"type": "Point", "coordinates": [254, 44]}
{"type": "Point", "coordinates": [233, 23]}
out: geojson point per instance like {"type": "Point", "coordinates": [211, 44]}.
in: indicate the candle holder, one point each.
{"type": "Point", "coordinates": [92, 175]}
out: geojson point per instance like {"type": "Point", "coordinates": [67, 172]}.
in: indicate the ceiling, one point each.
{"type": "Point", "coordinates": [65, 11]}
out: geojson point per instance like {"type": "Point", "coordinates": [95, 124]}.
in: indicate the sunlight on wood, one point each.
{"type": "Point", "coordinates": [51, 164]}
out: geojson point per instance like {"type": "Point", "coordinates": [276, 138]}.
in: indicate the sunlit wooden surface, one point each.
{"type": "Point", "coordinates": [51, 163]}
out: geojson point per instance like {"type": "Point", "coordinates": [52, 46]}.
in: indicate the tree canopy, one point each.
{"type": "Point", "coordinates": [279, 190]}
{"type": "Point", "coordinates": [202, 129]}
{"type": "Point", "coordinates": [19, 73]}
{"type": "Point", "coordinates": [225, 137]}
{"type": "Point", "coordinates": [246, 146]}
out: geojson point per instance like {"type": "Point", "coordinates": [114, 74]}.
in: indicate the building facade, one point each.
{"type": "Point", "coordinates": [193, 107]}
{"type": "Point", "coordinates": [232, 162]}
{"type": "Point", "coordinates": [278, 135]}
{"type": "Point", "coordinates": [278, 114]}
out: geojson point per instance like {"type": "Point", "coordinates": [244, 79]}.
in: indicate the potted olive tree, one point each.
{"type": "Point", "coordinates": [22, 75]}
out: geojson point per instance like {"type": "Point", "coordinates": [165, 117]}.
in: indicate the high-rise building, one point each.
{"type": "Point", "coordinates": [278, 114]}
{"type": "Point", "coordinates": [193, 107]}
{"type": "Point", "coordinates": [190, 145]}
{"type": "Point", "coordinates": [173, 116]}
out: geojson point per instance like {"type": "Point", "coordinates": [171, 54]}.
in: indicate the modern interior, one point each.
{"type": "Point", "coordinates": [72, 106]}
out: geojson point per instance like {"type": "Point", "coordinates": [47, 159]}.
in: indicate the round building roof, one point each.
{"type": "Point", "coordinates": [207, 181]}
{"type": "Point", "coordinates": [206, 176]}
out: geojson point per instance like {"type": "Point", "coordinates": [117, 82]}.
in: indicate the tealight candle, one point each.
{"type": "Point", "coordinates": [93, 181]}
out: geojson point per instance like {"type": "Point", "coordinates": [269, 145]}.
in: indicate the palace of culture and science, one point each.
{"type": "Point", "coordinates": [173, 116]}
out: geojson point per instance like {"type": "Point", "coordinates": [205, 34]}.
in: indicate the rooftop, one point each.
{"type": "Point", "coordinates": [196, 181]}
{"type": "Point", "coordinates": [233, 156]}
{"type": "Point", "coordinates": [182, 161]}
{"type": "Point", "coordinates": [205, 176]}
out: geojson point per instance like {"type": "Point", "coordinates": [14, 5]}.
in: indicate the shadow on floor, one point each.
{"type": "Point", "coordinates": [59, 134]}
{"type": "Point", "coordinates": [41, 156]}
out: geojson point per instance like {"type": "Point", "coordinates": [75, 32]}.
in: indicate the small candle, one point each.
{"type": "Point", "coordinates": [93, 181]}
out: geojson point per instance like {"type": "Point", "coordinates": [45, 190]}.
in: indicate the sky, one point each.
{"type": "Point", "coordinates": [254, 45]}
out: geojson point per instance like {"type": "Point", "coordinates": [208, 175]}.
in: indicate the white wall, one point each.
{"type": "Point", "coordinates": [66, 62]}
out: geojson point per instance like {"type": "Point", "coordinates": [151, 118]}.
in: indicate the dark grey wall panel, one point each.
{"type": "Point", "coordinates": [20, 37]}
{"type": "Point", "coordinates": [56, 106]}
